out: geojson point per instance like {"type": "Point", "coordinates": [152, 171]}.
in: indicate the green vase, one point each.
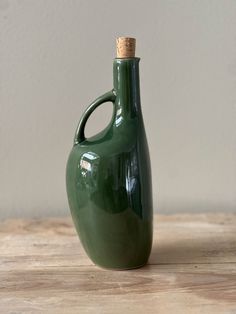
{"type": "Point", "coordinates": [108, 178]}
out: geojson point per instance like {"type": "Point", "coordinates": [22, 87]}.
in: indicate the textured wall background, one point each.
{"type": "Point", "coordinates": [56, 57]}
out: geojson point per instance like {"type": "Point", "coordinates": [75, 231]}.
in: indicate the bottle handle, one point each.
{"type": "Point", "coordinates": [79, 134]}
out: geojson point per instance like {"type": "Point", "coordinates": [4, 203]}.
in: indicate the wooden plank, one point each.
{"type": "Point", "coordinates": [177, 239]}
{"type": "Point", "coordinates": [192, 269]}
{"type": "Point", "coordinates": [152, 289]}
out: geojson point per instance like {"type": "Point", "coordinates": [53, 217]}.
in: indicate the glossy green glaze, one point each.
{"type": "Point", "coordinates": [109, 178]}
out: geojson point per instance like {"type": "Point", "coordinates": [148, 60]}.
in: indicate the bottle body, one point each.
{"type": "Point", "coordinates": [109, 181]}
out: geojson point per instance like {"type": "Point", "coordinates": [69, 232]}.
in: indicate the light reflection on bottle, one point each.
{"type": "Point", "coordinates": [89, 163]}
{"type": "Point", "coordinates": [119, 117]}
{"type": "Point", "coordinates": [130, 184]}
{"type": "Point", "coordinates": [87, 160]}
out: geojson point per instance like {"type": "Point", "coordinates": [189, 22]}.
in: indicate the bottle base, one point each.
{"type": "Point", "coordinates": [121, 268]}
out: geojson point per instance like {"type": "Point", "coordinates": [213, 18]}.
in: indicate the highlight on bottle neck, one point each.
{"type": "Point", "coordinates": [125, 47]}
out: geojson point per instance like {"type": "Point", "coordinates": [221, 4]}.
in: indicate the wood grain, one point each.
{"type": "Point", "coordinates": [192, 269]}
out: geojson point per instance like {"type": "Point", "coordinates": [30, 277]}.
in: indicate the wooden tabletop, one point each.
{"type": "Point", "coordinates": [192, 269]}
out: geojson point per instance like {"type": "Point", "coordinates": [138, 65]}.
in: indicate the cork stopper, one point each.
{"type": "Point", "coordinates": [125, 47]}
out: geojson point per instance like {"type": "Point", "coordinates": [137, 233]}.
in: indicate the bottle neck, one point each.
{"type": "Point", "coordinates": [126, 86]}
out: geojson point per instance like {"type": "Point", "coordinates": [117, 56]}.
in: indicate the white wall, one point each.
{"type": "Point", "coordinates": [56, 57]}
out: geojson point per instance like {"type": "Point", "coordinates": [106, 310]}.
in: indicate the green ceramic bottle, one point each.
{"type": "Point", "coordinates": [108, 176]}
